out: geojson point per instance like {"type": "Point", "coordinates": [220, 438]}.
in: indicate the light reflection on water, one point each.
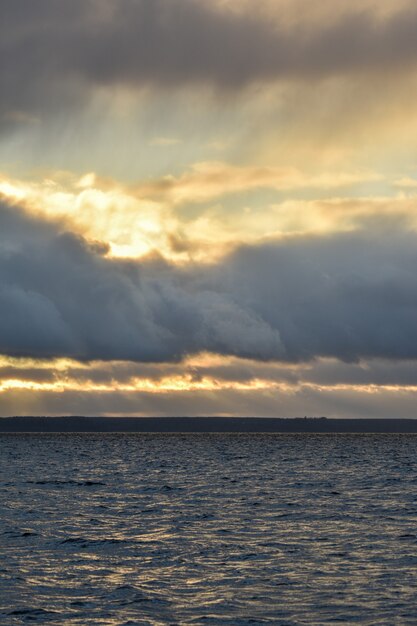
{"type": "Point", "coordinates": [208, 529]}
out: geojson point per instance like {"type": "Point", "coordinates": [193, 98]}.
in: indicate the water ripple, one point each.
{"type": "Point", "coordinates": [208, 529]}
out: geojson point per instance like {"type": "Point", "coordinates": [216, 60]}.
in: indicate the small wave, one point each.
{"type": "Point", "coordinates": [93, 542]}
{"type": "Point", "coordinates": [64, 483]}
{"type": "Point", "coordinates": [127, 595]}
{"type": "Point", "coordinates": [32, 613]}
{"type": "Point", "coordinates": [19, 533]}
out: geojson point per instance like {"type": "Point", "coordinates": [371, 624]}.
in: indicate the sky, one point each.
{"type": "Point", "coordinates": [207, 209]}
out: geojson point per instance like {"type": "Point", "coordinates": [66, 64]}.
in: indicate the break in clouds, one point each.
{"type": "Point", "coordinates": [54, 53]}
{"type": "Point", "coordinates": [347, 296]}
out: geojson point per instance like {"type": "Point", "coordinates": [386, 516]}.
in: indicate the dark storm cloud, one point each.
{"type": "Point", "coordinates": [349, 296]}
{"type": "Point", "coordinates": [60, 296]}
{"type": "Point", "coordinates": [52, 53]}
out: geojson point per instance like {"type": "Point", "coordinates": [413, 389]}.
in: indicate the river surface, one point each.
{"type": "Point", "coordinates": [208, 529]}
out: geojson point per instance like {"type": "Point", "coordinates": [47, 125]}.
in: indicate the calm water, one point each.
{"type": "Point", "coordinates": [208, 529]}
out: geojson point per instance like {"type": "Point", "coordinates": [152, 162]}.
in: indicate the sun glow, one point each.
{"type": "Point", "coordinates": [132, 227]}
{"type": "Point", "coordinates": [190, 218]}
{"type": "Point", "coordinates": [166, 384]}
{"type": "Point", "coordinates": [186, 384]}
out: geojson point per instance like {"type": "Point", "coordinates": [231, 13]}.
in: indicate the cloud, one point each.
{"type": "Point", "coordinates": [207, 372]}
{"type": "Point", "coordinates": [347, 296]}
{"type": "Point", "coordinates": [343, 402]}
{"type": "Point", "coordinates": [406, 183]}
{"type": "Point", "coordinates": [51, 55]}
{"type": "Point", "coordinates": [61, 297]}
{"type": "Point", "coordinates": [211, 179]}
{"type": "Point", "coordinates": [175, 215]}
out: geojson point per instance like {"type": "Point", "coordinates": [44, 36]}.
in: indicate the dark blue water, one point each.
{"type": "Point", "coordinates": [208, 529]}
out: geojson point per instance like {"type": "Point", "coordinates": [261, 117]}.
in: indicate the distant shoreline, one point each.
{"type": "Point", "coordinates": [79, 424]}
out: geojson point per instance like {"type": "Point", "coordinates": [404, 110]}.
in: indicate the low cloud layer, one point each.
{"type": "Point", "coordinates": [347, 296]}
{"type": "Point", "coordinates": [52, 53]}
{"type": "Point", "coordinates": [334, 403]}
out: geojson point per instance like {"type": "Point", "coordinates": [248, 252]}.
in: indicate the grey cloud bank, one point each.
{"type": "Point", "coordinates": [60, 296]}
{"type": "Point", "coordinates": [350, 296]}
{"type": "Point", "coordinates": [53, 53]}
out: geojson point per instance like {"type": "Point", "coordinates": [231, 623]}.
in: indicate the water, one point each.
{"type": "Point", "coordinates": [208, 529]}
